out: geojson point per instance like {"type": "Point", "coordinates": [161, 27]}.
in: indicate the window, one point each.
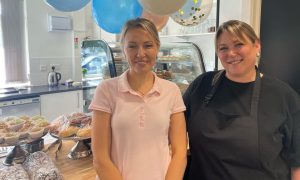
{"type": "Point", "coordinates": [13, 62]}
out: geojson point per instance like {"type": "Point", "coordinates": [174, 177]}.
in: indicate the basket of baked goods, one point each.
{"type": "Point", "coordinates": [22, 129]}
{"type": "Point", "coordinates": [74, 126]}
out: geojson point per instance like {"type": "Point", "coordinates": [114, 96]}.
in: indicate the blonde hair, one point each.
{"type": "Point", "coordinates": [144, 24]}
{"type": "Point", "coordinates": [241, 30]}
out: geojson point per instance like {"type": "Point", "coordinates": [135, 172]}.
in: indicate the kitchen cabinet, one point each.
{"type": "Point", "coordinates": [56, 104]}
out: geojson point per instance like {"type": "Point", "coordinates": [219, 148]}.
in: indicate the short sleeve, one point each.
{"type": "Point", "coordinates": [102, 98]}
{"type": "Point", "coordinates": [178, 105]}
{"type": "Point", "coordinates": [195, 93]}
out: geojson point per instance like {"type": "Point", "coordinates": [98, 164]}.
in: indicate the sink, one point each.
{"type": "Point", "coordinates": [8, 90]}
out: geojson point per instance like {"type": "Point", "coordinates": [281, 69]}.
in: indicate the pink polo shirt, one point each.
{"type": "Point", "coordinates": [140, 125]}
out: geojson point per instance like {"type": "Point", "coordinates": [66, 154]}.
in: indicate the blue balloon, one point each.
{"type": "Point", "coordinates": [67, 5]}
{"type": "Point", "coordinates": [111, 15]}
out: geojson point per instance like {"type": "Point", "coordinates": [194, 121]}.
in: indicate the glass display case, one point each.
{"type": "Point", "coordinates": [97, 64]}
{"type": "Point", "coordinates": [180, 62]}
{"type": "Point", "coordinates": [97, 60]}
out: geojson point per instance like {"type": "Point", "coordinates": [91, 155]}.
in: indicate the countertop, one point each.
{"type": "Point", "coordinates": [79, 169]}
{"type": "Point", "coordinates": [35, 91]}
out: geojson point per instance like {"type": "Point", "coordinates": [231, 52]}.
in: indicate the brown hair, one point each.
{"type": "Point", "coordinates": [144, 24]}
{"type": "Point", "coordinates": [241, 30]}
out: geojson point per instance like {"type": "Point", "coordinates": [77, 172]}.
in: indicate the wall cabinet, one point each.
{"type": "Point", "coordinates": [56, 104]}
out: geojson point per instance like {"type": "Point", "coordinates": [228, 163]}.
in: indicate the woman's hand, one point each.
{"type": "Point", "coordinates": [295, 173]}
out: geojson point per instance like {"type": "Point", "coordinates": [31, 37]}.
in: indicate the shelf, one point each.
{"type": "Point", "coordinates": [175, 61]}
{"type": "Point", "coordinates": [187, 36]}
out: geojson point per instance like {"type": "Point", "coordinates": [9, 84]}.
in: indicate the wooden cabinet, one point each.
{"type": "Point", "coordinates": [56, 104]}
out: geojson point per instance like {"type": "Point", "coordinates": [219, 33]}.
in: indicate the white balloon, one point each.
{"type": "Point", "coordinates": [162, 7]}
{"type": "Point", "coordinates": [191, 13]}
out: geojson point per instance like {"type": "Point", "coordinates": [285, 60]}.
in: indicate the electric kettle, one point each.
{"type": "Point", "coordinates": [53, 77]}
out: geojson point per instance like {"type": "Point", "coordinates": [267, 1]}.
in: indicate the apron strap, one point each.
{"type": "Point", "coordinates": [215, 84]}
{"type": "Point", "coordinates": [255, 95]}
{"type": "Point", "coordinates": [218, 77]}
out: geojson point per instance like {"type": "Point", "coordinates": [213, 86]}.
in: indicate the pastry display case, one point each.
{"type": "Point", "coordinates": [179, 62]}
{"type": "Point", "coordinates": [97, 64]}
{"type": "Point", "coordinates": [96, 60]}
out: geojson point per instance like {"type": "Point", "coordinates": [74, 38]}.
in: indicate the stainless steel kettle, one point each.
{"type": "Point", "coordinates": [53, 77]}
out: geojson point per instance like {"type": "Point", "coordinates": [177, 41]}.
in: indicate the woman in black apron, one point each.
{"type": "Point", "coordinates": [242, 124]}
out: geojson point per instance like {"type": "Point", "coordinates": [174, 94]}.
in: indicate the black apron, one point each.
{"type": "Point", "coordinates": [229, 147]}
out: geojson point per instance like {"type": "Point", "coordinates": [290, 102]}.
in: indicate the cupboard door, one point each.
{"type": "Point", "coordinates": [56, 104]}
{"type": "Point", "coordinates": [280, 41]}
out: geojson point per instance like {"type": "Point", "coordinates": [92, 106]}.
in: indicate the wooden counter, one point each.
{"type": "Point", "coordinates": [79, 169]}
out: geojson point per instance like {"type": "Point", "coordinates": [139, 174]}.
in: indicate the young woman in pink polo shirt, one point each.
{"type": "Point", "coordinates": [139, 130]}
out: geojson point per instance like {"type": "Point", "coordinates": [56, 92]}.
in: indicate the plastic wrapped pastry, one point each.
{"type": "Point", "coordinates": [39, 166]}
{"type": "Point", "coordinates": [13, 172]}
{"type": "Point", "coordinates": [84, 132]}
{"type": "Point", "coordinates": [71, 125]}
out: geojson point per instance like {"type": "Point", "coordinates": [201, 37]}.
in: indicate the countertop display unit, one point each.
{"type": "Point", "coordinates": [96, 60]}
{"type": "Point", "coordinates": [97, 64]}
{"type": "Point", "coordinates": [179, 62]}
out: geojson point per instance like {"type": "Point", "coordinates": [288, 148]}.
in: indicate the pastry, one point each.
{"type": "Point", "coordinates": [24, 117]}
{"type": "Point", "coordinates": [36, 132]}
{"type": "Point", "coordinates": [13, 172]}
{"type": "Point", "coordinates": [11, 137]}
{"type": "Point", "coordinates": [15, 124]}
{"type": "Point", "coordinates": [39, 166]}
{"type": "Point", "coordinates": [71, 130]}
{"type": "Point", "coordinates": [84, 132]}
{"type": "Point", "coordinates": [167, 75]}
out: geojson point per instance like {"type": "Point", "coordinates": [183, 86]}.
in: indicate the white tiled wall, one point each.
{"type": "Point", "coordinates": [38, 77]}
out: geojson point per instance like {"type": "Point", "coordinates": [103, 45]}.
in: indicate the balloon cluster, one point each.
{"type": "Point", "coordinates": [67, 5]}
{"type": "Point", "coordinates": [112, 15]}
